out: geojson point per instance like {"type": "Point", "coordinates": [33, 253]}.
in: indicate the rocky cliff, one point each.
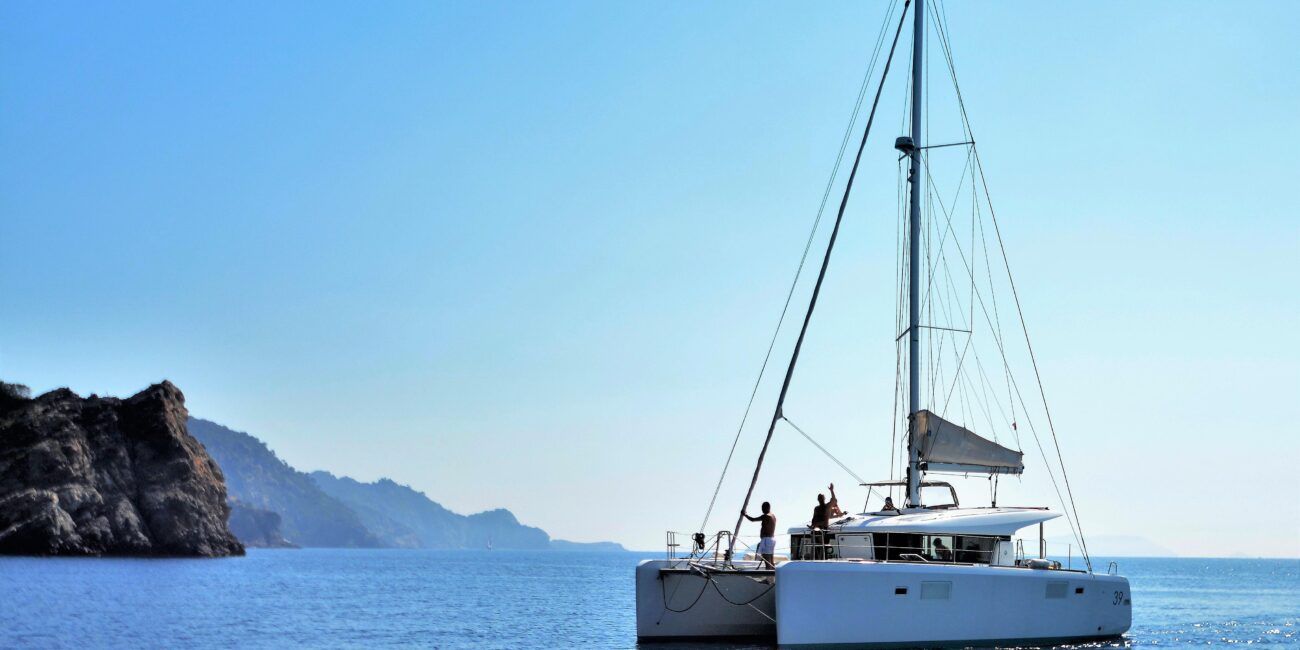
{"type": "Point", "coordinates": [103, 475]}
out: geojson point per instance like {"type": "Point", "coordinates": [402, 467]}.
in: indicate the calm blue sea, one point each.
{"type": "Point", "coordinates": [500, 599]}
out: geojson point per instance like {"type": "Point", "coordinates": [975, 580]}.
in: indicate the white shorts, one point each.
{"type": "Point", "coordinates": [767, 546]}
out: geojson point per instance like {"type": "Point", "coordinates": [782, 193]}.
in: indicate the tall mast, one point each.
{"type": "Point", "coordinates": [914, 268]}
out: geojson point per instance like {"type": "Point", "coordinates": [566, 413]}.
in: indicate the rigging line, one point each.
{"type": "Point", "coordinates": [893, 418]}
{"type": "Point", "coordinates": [1029, 420]}
{"type": "Point", "coordinates": [859, 479]}
{"type": "Point", "coordinates": [948, 310]}
{"type": "Point", "coordinates": [830, 182]}
{"type": "Point", "coordinates": [997, 317]}
{"type": "Point", "coordinates": [986, 386]}
{"type": "Point", "coordinates": [945, 297]}
{"type": "Point", "coordinates": [898, 317]}
{"type": "Point", "coordinates": [1006, 364]}
{"type": "Point", "coordinates": [927, 215]}
{"type": "Point", "coordinates": [956, 375]}
{"type": "Point", "coordinates": [987, 399]}
{"type": "Point", "coordinates": [973, 200]}
{"type": "Point", "coordinates": [946, 212]}
{"type": "Point", "coordinates": [821, 276]}
{"type": "Point", "coordinates": [967, 401]}
{"type": "Point", "coordinates": [980, 400]}
{"type": "Point", "coordinates": [1033, 359]}
{"type": "Point", "coordinates": [1006, 262]}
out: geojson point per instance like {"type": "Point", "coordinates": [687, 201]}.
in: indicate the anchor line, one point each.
{"type": "Point", "coordinates": [709, 580]}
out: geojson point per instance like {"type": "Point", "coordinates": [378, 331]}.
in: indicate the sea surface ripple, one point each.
{"type": "Point", "coordinates": [503, 599]}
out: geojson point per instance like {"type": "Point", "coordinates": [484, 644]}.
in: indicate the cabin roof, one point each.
{"type": "Point", "coordinates": [955, 521]}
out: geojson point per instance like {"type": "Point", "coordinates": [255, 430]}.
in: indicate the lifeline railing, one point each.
{"type": "Point", "coordinates": [711, 552]}
{"type": "Point", "coordinates": [701, 547]}
{"type": "Point", "coordinates": [819, 545]}
{"type": "Point", "coordinates": [1043, 545]}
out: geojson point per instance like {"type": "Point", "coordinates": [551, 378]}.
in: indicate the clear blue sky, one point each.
{"type": "Point", "coordinates": [529, 254]}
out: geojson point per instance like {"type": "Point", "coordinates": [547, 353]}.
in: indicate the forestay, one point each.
{"type": "Point", "coordinates": [947, 446]}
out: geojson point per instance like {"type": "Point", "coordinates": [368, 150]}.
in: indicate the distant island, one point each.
{"type": "Point", "coordinates": [319, 509]}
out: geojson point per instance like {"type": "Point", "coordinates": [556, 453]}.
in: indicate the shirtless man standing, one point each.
{"type": "Point", "coordinates": [767, 534]}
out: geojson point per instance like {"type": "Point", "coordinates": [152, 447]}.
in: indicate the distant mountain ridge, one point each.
{"type": "Point", "coordinates": [323, 510]}
{"type": "Point", "coordinates": [256, 477]}
{"type": "Point", "coordinates": [410, 519]}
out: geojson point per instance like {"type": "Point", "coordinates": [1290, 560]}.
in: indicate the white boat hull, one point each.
{"type": "Point", "coordinates": [675, 602]}
{"type": "Point", "coordinates": [878, 604]}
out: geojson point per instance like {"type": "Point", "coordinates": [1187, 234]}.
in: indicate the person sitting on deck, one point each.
{"type": "Point", "coordinates": [766, 534]}
{"type": "Point", "coordinates": [821, 514]}
{"type": "Point", "coordinates": [833, 506]}
{"type": "Point", "coordinates": [889, 505]}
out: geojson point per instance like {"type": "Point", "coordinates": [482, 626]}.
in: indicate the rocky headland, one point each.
{"type": "Point", "coordinates": [107, 476]}
{"type": "Point", "coordinates": [257, 527]}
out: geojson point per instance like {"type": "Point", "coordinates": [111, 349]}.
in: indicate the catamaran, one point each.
{"type": "Point", "coordinates": [930, 571]}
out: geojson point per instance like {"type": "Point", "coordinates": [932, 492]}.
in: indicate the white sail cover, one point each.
{"type": "Point", "coordinates": [946, 446]}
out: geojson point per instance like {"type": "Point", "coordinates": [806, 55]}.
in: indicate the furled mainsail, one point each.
{"type": "Point", "coordinates": [945, 446]}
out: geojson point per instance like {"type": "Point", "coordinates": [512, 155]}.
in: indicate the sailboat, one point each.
{"type": "Point", "coordinates": [928, 571]}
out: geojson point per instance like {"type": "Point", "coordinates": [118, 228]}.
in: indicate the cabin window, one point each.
{"type": "Point", "coordinates": [909, 547]}
{"type": "Point", "coordinates": [1057, 589]}
{"type": "Point", "coordinates": [974, 550]}
{"type": "Point", "coordinates": [939, 548]}
{"type": "Point", "coordinates": [898, 547]}
{"type": "Point", "coordinates": [813, 547]}
{"type": "Point", "coordinates": [900, 591]}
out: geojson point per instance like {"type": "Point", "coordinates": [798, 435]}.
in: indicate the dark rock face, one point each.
{"type": "Point", "coordinates": [257, 527]}
{"type": "Point", "coordinates": [99, 476]}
